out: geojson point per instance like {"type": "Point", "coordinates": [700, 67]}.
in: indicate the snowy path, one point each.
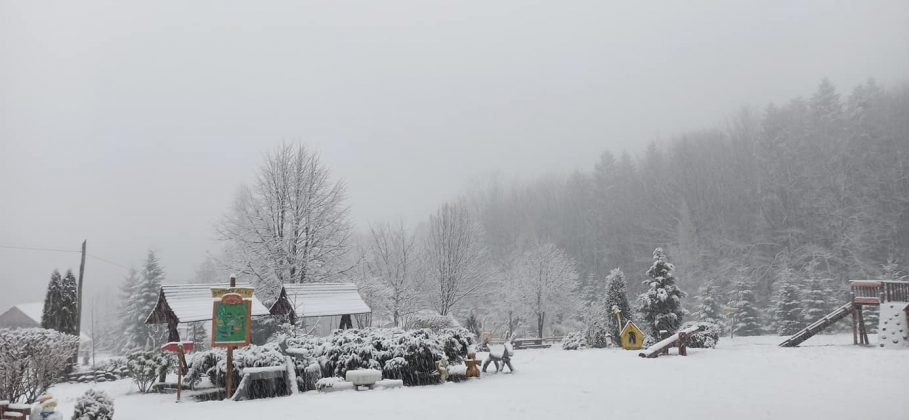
{"type": "Point", "coordinates": [747, 378]}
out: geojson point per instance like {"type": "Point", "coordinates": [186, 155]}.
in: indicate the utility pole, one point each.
{"type": "Point", "coordinates": [79, 292]}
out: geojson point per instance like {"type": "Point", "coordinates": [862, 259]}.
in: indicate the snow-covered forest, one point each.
{"type": "Point", "coordinates": [812, 191]}
{"type": "Point", "coordinates": [809, 193]}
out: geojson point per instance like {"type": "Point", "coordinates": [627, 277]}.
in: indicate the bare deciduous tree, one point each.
{"type": "Point", "coordinates": [546, 280]}
{"type": "Point", "coordinates": [455, 256]}
{"type": "Point", "coordinates": [391, 259]}
{"type": "Point", "coordinates": [291, 225]}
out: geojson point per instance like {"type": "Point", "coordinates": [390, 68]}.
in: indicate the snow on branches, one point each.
{"type": "Point", "coordinates": [661, 303]}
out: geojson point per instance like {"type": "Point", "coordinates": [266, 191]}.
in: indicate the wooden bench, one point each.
{"type": "Point", "coordinates": [16, 411]}
{"type": "Point", "coordinates": [530, 343]}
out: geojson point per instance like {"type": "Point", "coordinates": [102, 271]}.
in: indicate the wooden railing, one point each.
{"type": "Point", "coordinates": [873, 292]}
{"type": "Point", "coordinates": [896, 291]}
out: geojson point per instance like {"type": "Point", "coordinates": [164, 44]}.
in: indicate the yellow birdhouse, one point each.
{"type": "Point", "coordinates": [631, 337]}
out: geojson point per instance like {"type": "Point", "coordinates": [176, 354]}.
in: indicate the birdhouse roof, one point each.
{"type": "Point", "coordinates": [629, 326]}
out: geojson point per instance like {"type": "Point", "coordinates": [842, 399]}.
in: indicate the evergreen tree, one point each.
{"type": "Point", "coordinates": [816, 301]}
{"type": "Point", "coordinates": [709, 308]}
{"type": "Point", "coordinates": [789, 315]}
{"type": "Point", "coordinates": [143, 290]}
{"type": "Point", "coordinates": [745, 320]}
{"type": "Point", "coordinates": [128, 311]}
{"type": "Point", "coordinates": [60, 304]}
{"type": "Point", "coordinates": [616, 298]}
{"type": "Point", "coordinates": [661, 304]}
{"type": "Point", "coordinates": [48, 318]}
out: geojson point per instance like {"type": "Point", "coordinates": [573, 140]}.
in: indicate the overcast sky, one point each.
{"type": "Point", "coordinates": [131, 124]}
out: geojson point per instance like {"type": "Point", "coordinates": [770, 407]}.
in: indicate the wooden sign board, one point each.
{"type": "Point", "coordinates": [231, 321]}
{"type": "Point", "coordinates": [244, 292]}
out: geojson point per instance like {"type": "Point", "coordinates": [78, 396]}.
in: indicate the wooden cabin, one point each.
{"type": "Point", "coordinates": [631, 337]}
{"type": "Point", "coordinates": [321, 308]}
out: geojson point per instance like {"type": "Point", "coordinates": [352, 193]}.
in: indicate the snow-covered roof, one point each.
{"type": "Point", "coordinates": [629, 326]}
{"type": "Point", "coordinates": [191, 303]}
{"type": "Point", "coordinates": [321, 299]}
{"type": "Point", "coordinates": [35, 311]}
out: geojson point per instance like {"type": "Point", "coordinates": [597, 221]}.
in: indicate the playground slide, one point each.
{"type": "Point", "coordinates": [819, 325]}
{"type": "Point", "coordinates": [654, 350]}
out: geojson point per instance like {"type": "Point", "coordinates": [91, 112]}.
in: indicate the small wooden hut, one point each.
{"type": "Point", "coordinates": [323, 307]}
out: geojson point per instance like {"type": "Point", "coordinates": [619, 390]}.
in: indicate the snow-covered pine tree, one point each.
{"type": "Point", "coordinates": [69, 308]}
{"type": "Point", "coordinates": [48, 315]}
{"type": "Point", "coordinates": [127, 311]}
{"type": "Point", "coordinates": [616, 297]}
{"type": "Point", "coordinates": [816, 301]}
{"type": "Point", "coordinates": [141, 301]}
{"type": "Point", "coordinates": [789, 315]}
{"type": "Point", "coordinates": [60, 304]}
{"type": "Point", "coordinates": [744, 318]}
{"type": "Point", "coordinates": [709, 308]}
{"type": "Point", "coordinates": [661, 304]}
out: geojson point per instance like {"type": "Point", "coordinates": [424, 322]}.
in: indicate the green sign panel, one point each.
{"type": "Point", "coordinates": [230, 323]}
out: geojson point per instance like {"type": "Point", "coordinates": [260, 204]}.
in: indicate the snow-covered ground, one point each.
{"type": "Point", "coordinates": [745, 378]}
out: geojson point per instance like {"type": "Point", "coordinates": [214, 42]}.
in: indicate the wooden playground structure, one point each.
{"type": "Point", "coordinates": [679, 339]}
{"type": "Point", "coordinates": [864, 293]}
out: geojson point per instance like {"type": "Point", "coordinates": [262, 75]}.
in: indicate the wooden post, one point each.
{"type": "Point", "coordinates": [181, 367]}
{"type": "Point", "coordinates": [855, 325]}
{"type": "Point", "coordinates": [230, 373]}
{"type": "Point", "coordinates": [230, 352]}
{"type": "Point", "coordinates": [863, 333]}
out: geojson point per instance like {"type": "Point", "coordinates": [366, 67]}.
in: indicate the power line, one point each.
{"type": "Point", "coordinates": [38, 249]}
{"type": "Point", "coordinates": [26, 248]}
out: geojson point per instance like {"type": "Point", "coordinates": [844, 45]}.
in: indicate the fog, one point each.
{"type": "Point", "coordinates": [132, 124]}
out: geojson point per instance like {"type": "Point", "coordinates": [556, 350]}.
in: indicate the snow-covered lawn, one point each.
{"type": "Point", "coordinates": [745, 378]}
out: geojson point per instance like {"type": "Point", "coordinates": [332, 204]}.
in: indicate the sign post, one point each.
{"type": "Point", "coordinates": [231, 323]}
{"type": "Point", "coordinates": [180, 348]}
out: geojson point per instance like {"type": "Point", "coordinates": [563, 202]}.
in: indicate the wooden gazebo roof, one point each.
{"type": "Point", "coordinates": [190, 303]}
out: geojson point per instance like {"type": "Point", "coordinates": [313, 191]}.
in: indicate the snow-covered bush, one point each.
{"type": "Point", "coordinates": [202, 363]}
{"type": "Point", "coordinates": [574, 341]}
{"type": "Point", "coordinates": [706, 338]}
{"type": "Point", "coordinates": [31, 360]}
{"type": "Point", "coordinates": [456, 342]}
{"type": "Point", "coordinates": [213, 363]}
{"type": "Point", "coordinates": [94, 405]}
{"type": "Point", "coordinates": [114, 365]}
{"type": "Point", "coordinates": [407, 355]}
{"type": "Point", "coordinates": [310, 377]}
{"type": "Point", "coordinates": [145, 367]}
{"type": "Point", "coordinates": [395, 368]}
{"type": "Point", "coordinates": [597, 321]}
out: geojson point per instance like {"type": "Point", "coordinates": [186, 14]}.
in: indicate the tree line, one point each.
{"type": "Point", "coordinates": [765, 217]}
